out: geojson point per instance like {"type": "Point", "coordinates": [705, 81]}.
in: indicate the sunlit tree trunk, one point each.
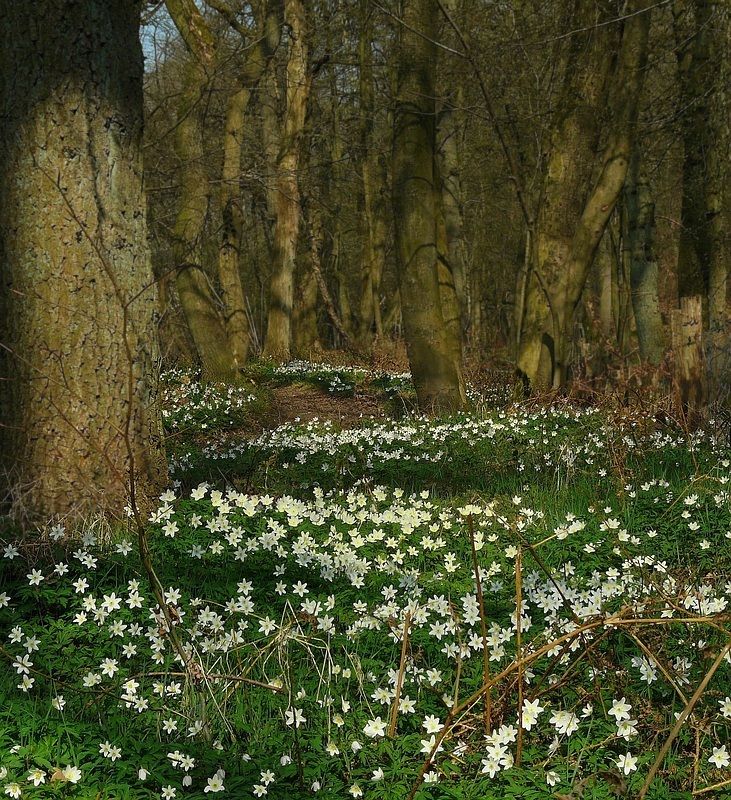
{"type": "Point", "coordinates": [194, 290]}
{"type": "Point", "coordinates": [434, 355]}
{"type": "Point", "coordinates": [229, 275]}
{"type": "Point", "coordinates": [572, 213]}
{"type": "Point", "coordinates": [78, 360]}
{"type": "Point", "coordinates": [287, 211]}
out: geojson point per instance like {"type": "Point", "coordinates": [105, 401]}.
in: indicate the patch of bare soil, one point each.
{"type": "Point", "coordinates": [303, 403]}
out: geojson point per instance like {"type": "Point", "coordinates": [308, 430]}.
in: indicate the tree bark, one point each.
{"type": "Point", "coordinates": [373, 175]}
{"type": "Point", "coordinates": [689, 373]}
{"type": "Point", "coordinates": [701, 35]}
{"type": "Point", "coordinates": [572, 214]}
{"type": "Point", "coordinates": [78, 388]}
{"type": "Point", "coordinates": [206, 324]}
{"type": "Point", "coordinates": [643, 273]}
{"type": "Point", "coordinates": [448, 149]}
{"type": "Point", "coordinates": [691, 22]}
{"type": "Point", "coordinates": [288, 212]}
{"type": "Point", "coordinates": [229, 275]}
{"type": "Point", "coordinates": [434, 356]}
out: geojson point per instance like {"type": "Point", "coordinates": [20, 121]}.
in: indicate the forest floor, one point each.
{"type": "Point", "coordinates": [302, 403]}
{"type": "Point", "coordinates": [516, 602]}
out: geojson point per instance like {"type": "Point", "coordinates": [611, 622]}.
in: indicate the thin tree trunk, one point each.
{"type": "Point", "coordinates": [448, 137]}
{"type": "Point", "coordinates": [196, 298]}
{"type": "Point", "coordinates": [286, 228]}
{"type": "Point", "coordinates": [229, 274]}
{"type": "Point", "coordinates": [643, 263]}
{"type": "Point", "coordinates": [374, 226]}
{"type": "Point", "coordinates": [433, 354]}
{"type": "Point", "coordinates": [78, 387]}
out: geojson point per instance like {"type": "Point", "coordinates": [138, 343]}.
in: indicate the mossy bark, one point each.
{"type": "Point", "coordinates": [573, 209]}
{"type": "Point", "coordinates": [81, 424]}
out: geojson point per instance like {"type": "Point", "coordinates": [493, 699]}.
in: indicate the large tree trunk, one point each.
{"type": "Point", "coordinates": [288, 212]}
{"type": "Point", "coordinates": [80, 417]}
{"type": "Point", "coordinates": [572, 215]}
{"type": "Point", "coordinates": [434, 355]}
{"type": "Point", "coordinates": [196, 298]}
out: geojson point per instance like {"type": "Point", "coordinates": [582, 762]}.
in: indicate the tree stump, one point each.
{"type": "Point", "coordinates": [689, 375]}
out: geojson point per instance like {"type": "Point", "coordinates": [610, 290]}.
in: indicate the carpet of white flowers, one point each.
{"type": "Point", "coordinates": [374, 642]}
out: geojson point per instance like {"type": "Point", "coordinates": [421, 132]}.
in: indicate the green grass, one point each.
{"type": "Point", "coordinates": [294, 571]}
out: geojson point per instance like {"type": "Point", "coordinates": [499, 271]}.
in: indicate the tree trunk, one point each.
{"type": "Point", "coordinates": [229, 274]}
{"type": "Point", "coordinates": [305, 337]}
{"type": "Point", "coordinates": [686, 325]}
{"type": "Point", "coordinates": [286, 228]}
{"type": "Point", "coordinates": [643, 273]}
{"type": "Point", "coordinates": [691, 22]}
{"type": "Point", "coordinates": [373, 174]}
{"type": "Point", "coordinates": [433, 354]}
{"type": "Point", "coordinates": [448, 141]}
{"type": "Point", "coordinates": [572, 215]}
{"type": "Point", "coordinates": [78, 388]}
{"type": "Point", "coordinates": [196, 298]}
{"type": "Point", "coordinates": [701, 35]}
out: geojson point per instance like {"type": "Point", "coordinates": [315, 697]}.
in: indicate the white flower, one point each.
{"type": "Point", "coordinates": [490, 766]}
{"type": "Point", "coordinates": [37, 776]}
{"type": "Point", "coordinates": [375, 727]}
{"type": "Point", "coordinates": [725, 707]}
{"type": "Point", "coordinates": [266, 626]}
{"type": "Point", "coordinates": [109, 666]}
{"type": "Point", "coordinates": [215, 784]}
{"type": "Point", "coordinates": [110, 751]}
{"type": "Point", "coordinates": [431, 724]}
{"type": "Point", "coordinates": [428, 744]}
{"type": "Point", "coordinates": [720, 757]}
{"type": "Point", "coordinates": [72, 774]}
{"type": "Point", "coordinates": [627, 763]}
{"type": "Point", "coordinates": [294, 716]}
{"type": "Point", "coordinates": [34, 578]}
{"type": "Point", "coordinates": [377, 774]}
{"type": "Point", "coordinates": [13, 789]}
{"type": "Point", "coordinates": [620, 709]}
{"type": "Point", "coordinates": [531, 711]}
{"type": "Point", "coordinates": [565, 722]}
